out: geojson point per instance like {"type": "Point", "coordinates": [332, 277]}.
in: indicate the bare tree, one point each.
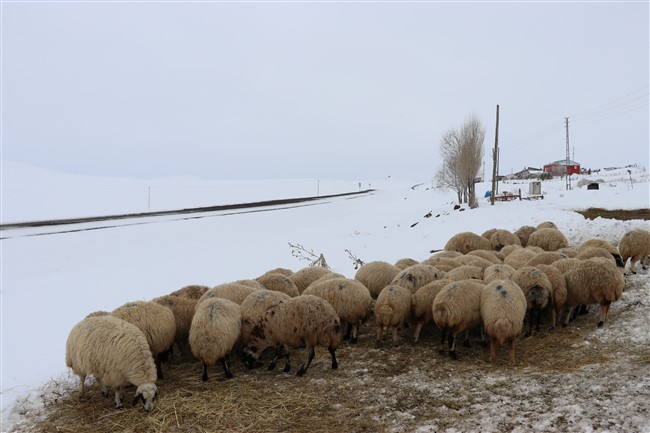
{"type": "Point", "coordinates": [461, 150]}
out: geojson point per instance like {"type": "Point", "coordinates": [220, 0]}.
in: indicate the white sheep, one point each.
{"type": "Point", "coordinates": [501, 238]}
{"type": "Point", "coordinates": [446, 254]}
{"type": "Point", "coordinates": [253, 310]}
{"type": "Point", "coordinates": [544, 258]}
{"type": "Point", "coordinates": [405, 263]}
{"type": "Point", "coordinates": [591, 252]}
{"type": "Point", "coordinates": [635, 245]}
{"type": "Point", "coordinates": [548, 239]}
{"type": "Point", "coordinates": [421, 303]}
{"type": "Point", "coordinates": [491, 256]}
{"type": "Point", "coordinates": [116, 353]}
{"type": "Point", "coordinates": [194, 291]}
{"type": "Point", "coordinates": [523, 233]}
{"type": "Point", "coordinates": [156, 322]}
{"type": "Point", "coordinates": [565, 265]}
{"type": "Point", "coordinates": [183, 310]}
{"type": "Point", "coordinates": [376, 275]}
{"type": "Point", "coordinates": [503, 308]}
{"type": "Point", "coordinates": [498, 272]}
{"type": "Point", "coordinates": [465, 242]}
{"type": "Point", "coordinates": [558, 291]}
{"type": "Point", "coordinates": [442, 263]}
{"type": "Point", "coordinates": [546, 225]}
{"type": "Point", "coordinates": [234, 292]}
{"type": "Point", "coordinates": [279, 283]}
{"type": "Point", "coordinates": [601, 243]}
{"type": "Point", "coordinates": [215, 329]}
{"type": "Point", "coordinates": [593, 281]}
{"type": "Point", "coordinates": [465, 272]}
{"type": "Point", "coordinates": [457, 308]}
{"type": "Point", "coordinates": [537, 288]}
{"type": "Point", "coordinates": [417, 276]}
{"type": "Point", "coordinates": [305, 320]}
{"type": "Point", "coordinates": [472, 260]}
{"type": "Point", "coordinates": [392, 310]}
{"type": "Point", "coordinates": [351, 301]}
{"type": "Point", "coordinates": [519, 257]}
{"type": "Point", "coordinates": [305, 276]}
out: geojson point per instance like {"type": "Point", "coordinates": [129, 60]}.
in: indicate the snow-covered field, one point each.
{"type": "Point", "coordinates": [50, 281]}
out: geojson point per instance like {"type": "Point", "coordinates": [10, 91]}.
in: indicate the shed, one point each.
{"type": "Point", "coordinates": [560, 167]}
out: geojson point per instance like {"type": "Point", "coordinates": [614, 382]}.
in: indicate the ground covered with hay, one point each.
{"type": "Point", "coordinates": [578, 378]}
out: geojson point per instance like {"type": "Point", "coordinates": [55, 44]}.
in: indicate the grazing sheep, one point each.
{"type": "Point", "coordinates": [417, 276]}
{"type": "Point", "coordinates": [537, 289]}
{"type": "Point", "coordinates": [635, 245]}
{"type": "Point", "coordinates": [457, 308]}
{"type": "Point", "coordinates": [250, 283]}
{"type": "Point", "coordinates": [447, 254]}
{"type": "Point", "coordinates": [465, 242]}
{"type": "Point", "coordinates": [465, 272]}
{"type": "Point", "coordinates": [523, 233]}
{"type": "Point", "coordinates": [548, 239]}
{"type": "Point", "coordinates": [215, 330]}
{"type": "Point", "coordinates": [544, 258]}
{"type": "Point", "coordinates": [193, 291]}
{"type": "Point", "coordinates": [253, 309]}
{"type": "Point", "coordinates": [305, 320]}
{"type": "Point", "coordinates": [156, 322]}
{"type": "Point", "coordinates": [279, 283]}
{"type": "Point", "coordinates": [565, 265]}
{"type": "Point", "coordinates": [444, 264]}
{"type": "Point", "coordinates": [421, 303]}
{"type": "Point", "coordinates": [546, 225]}
{"type": "Point", "coordinates": [593, 281]}
{"type": "Point", "coordinates": [329, 276]}
{"type": "Point", "coordinates": [498, 272]}
{"type": "Point", "coordinates": [305, 276]}
{"type": "Point", "coordinates": [487, 255]}
{"type": "Point", "coordinates": [405, 263]}
{"type": "Point", "coordinates": [232, 291]}
{"type": "Point", "coordinates": [558, 291]}
{"type": "Point", "coordinates": [183, 310]}
{"type": "Point", "coordinates": [376, 275]}
{"type": "Point", "coordinates": [392, 310]}
{"type": "Point", "coordinates": [488, 233]}
{"type": "Point", "coordinates": [351, 301]}
{"type": "Point", "coordinates": [471, 260]}
{"type": "Point", "coordinates": [503, 308]}
{"type": "Point", "coordinates": [509, 249]}
{"type": "Point", "coordinates": [284, 271]}
{"type": "Point", "coordinates": [501, 238]}
{"type": "Point", "coordinates": [519, 258]}
{"type": "Point", "coordinates": [116, 352]}
{"type": "Point", "coordinates": [600, 243]}
{"type": "Point", "coordinates": [568, 252]}
{"type": "Point", "coordinates": [591, 252]}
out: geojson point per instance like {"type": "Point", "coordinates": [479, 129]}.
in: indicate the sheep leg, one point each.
{"type": "Point", "coordinates": [332, 352]}
{"type": "Point", "coordinates": [633, 265]}
{"type": "Point", "coordinates": [483, 338]}
{"type": "Point", "coordinates": [395, 336]}
{"type": "Point", "coordinates": [348, 332]}
{"type": "Point", "coordinates": [416, 333]}
{"type": "Point", "coordinates": [442, 341]}
{"type": "Point", "coordinates": [529, 323]}
{"type": "Point", "coordinates": [604, 310]}
{"type": "Point", "coordinates": [278, 353]}
{"type": "Point", "coordinates": [452, 345]}
{"type": "Point", "coordinates": [287, 364]}
{"type": "Point", "coordinates": [311, 352]}
{"type": "Point", "coordinates": [355, 332]}
{"type": "Point", "coordinates": [466, 340]}
{"type": "Point", "coordinates": [226, 367]}
{"type": "Point", "coordinates": [159, 367]}
{"type": "Point", "coordinates": [512, 351]}
{"type": "Point", "coordinates": [584, 309]}
{"type": "Point", "coordinates": [538, 313]}
{"type": "Point", "coordinates": [553, 318]}
{"type": "Point", "coordinates": [118, 398]}
{"type": "Point", "coordinates": [380, 333]}
{"type": "Point", "coordinates": [493, 349]}
{"type": "Point", "coordinates": [568, 316]}
{"type": "Point", "coordinates": [204, 378]}
{"type": "Point", "coordinates": [82, 383]}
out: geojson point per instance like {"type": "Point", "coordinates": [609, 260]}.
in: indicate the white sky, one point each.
{"type": "Point", "coordinates": [318, 90]}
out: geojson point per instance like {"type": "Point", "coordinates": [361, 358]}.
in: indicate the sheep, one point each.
{"type": "Point", "coordinates": [253, 309]}
{"type": "Point", "coordinates": [498, 272]}
{"type": "Point", "coordinates": [465, 272]}
{"type": "Point", "coordinates": [546, 225]}
{"type": "Point", "coordinates": [183, 310]}
{"type": "Point", "coordinates": [544, 258]}
{"type": "Point", "coordinates": [417, 276]}
{"type": "Point", "coordinates": [215, 329]}
{"type": "Point", "coordinates": [590, 252]}
{"type": "Point", "coordinates": [116, 352]}
{"type": "Point", "coordinates": [558, 291]}
{"type": "Point", "coordinates": [232, 291]}
{"type": "Point", "coordinates": [537, 288]}
{"type": "Point", "coordinates": [446, 254]}
{"type": "Point", "coordinates": [193, 291]}
{"type": "Point", "coordinates": [472, 260]}
{"type": "Point", "coordinates": [568, 252]}
{"type": "Point", "coordinates": [488, 233]}
{"type": "Point", "coordinates": [565, 265]}
{"type": "Point", "coordinates": [405, 263]}
{"type": "Point", "coordinates": [250, 283]}
{"type": "Point", "coordinates": [523, 233]}
{"type": "Point", "coordinates": [444, 264]}
{"type": "Point", "coordinates": [519, 258]}
{"type": "Point", "coordinates": [305, 276]}
{"type": "Point", "coordinates": [421, 303]}
{"type": "Point", "coordinates": [156, 322]}
{"type": "Point", "coordinates": [279, 283]}
{"type": "Point", "coordinates": [376, 275]}
{"type": "Point", "coordinates": [548, 239]}
{"type": "Point", "coordinates": [635, 245]}
{"type": "Point", "coordinates": [600, 243]}
{"type": "Point", "coordinates": [284, 271]}
{"type": "Point", "coordinates": [329, 276]}
{"type": "Point", "coordinates": [465, 242]}
{"type": "Point", "coordinates": [392, 310]}
{"type": "Point", "coordinates": [457, 308]}
{"type": "Point", "coordinates": [501, 238]}
{"type": "Point", "coordinates": [305, 320]}
{"type": "Point", "coordinates": [593, 281]}
{"type": "Point", "coordinates": [503, 308]}
{"type": "Point", "coordinates": [351, 301]}
{"type": "Point", "coordinates": [487, 255]}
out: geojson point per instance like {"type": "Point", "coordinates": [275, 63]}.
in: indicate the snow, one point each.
{"type": "Point", "coordinates": [53, 276]}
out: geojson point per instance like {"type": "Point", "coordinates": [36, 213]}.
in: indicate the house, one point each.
{"type": "Point", "coordinates": [560, 168]}
{"type": "Point", "coordinates": [528, 173]}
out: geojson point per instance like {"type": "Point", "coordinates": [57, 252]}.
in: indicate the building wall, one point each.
{"type": "Point", "coordinates": [560, 170]}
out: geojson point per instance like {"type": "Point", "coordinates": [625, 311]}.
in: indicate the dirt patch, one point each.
{"type": "Point", "coordinates": [617, 214]}
{"type": "Point", "coordinates": [578, 378]}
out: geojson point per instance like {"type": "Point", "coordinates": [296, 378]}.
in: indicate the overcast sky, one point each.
{"type": "Point", "coordinates": [318, 90]}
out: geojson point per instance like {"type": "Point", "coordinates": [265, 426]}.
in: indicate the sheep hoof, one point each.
{"type": "Point", "coordinates": [564, 325]}
{"type": "Point", "coordinates": [601, 323]}
{"type": "Point", "coordinates": [353, 340]}
{"type": "Point", "coordinates": [229, 375]}
{"type": "Point", "coordinates": [204, 377]}
{"type": "Point", "coordinates": [119, 406]}
{"type": "Point", "coordinates": [286, 369]}
{"type": "Point", "coordinates": [453, 355]}
{"type": "Point", "coordinates": [271, 366]}
{"type": "Point", "coordinates": [301, 372]}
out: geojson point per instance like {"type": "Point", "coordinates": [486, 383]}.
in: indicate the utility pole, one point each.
{"type": "Point", "coordinates": [495, 161]}
{"type": "Point", "coordinates": [568, 175]}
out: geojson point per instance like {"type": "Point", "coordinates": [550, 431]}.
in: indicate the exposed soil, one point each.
{"type": "Point", "coordinates": [618, 214]}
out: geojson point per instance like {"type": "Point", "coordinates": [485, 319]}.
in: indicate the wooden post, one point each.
{"type": "Point", "coordinates": [495, 157]}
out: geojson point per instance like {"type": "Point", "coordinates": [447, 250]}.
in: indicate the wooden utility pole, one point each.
{"type": "Point", "coordinates": [495, 159]}
{"type": "Point", "coordinates": [568, 161]}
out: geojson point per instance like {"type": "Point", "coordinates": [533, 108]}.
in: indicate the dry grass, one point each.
{"type": "Point", "coordinates": [618, 214]}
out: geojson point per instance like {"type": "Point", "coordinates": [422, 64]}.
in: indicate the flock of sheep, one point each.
{"type": "Point", "coordinates": [498, 282]}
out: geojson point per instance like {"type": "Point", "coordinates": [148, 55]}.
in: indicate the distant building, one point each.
{"type": "Point", "coordinates": [527, 173]}
{"type": "Point", "coordinates": [560, 168]}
